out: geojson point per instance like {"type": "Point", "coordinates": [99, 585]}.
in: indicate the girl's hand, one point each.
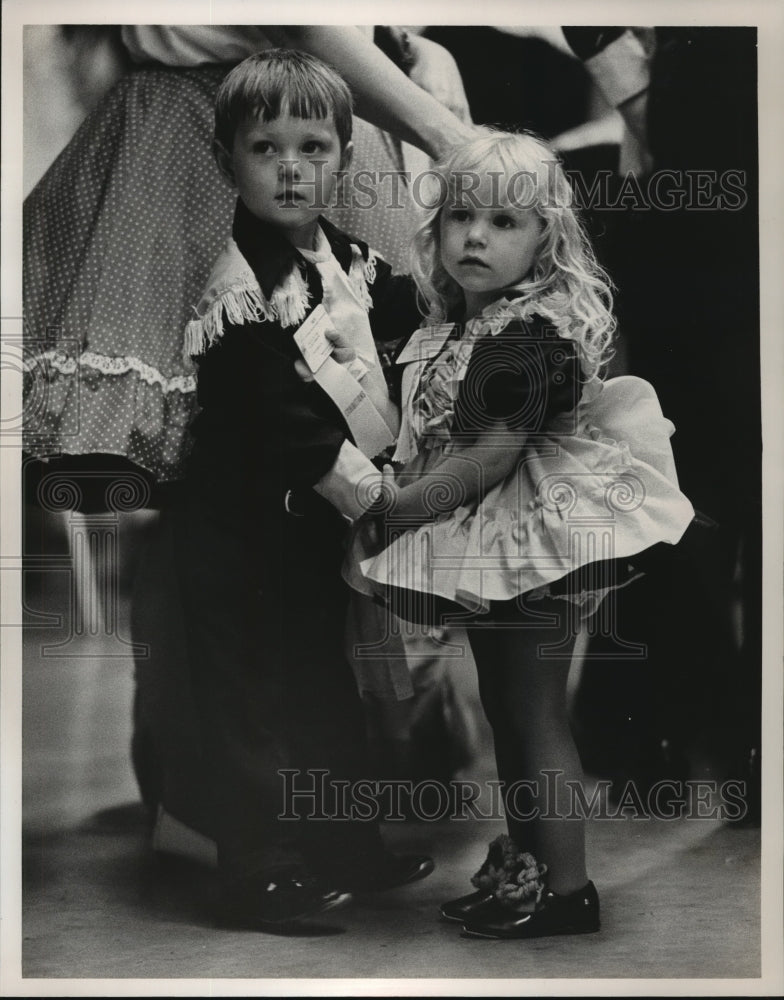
{"type": "Point", "coordinates": [411, 501]}
{"type": "Point", "coordinates": [383, 494]}
{"type": "Point", "coordinates": [386, 493]}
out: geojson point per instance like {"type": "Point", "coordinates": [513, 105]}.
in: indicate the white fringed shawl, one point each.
{"type": "Point", "coordinates": [234, 292]}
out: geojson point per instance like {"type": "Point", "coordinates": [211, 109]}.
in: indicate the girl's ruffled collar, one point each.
{"type": "Point", "coordinates": [432, 407]}
{"type": "Point", "coordinates": [554, 308]}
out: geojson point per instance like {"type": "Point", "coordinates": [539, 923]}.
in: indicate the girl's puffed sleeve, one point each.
{"type": "Point", "coordinates": [395, 313]}
{"type": "Point", "coordinates": [393, 318]}
{"type": "Point", "coordinates": [523, 376]}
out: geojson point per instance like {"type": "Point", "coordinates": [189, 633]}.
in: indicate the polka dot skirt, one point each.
{"type": "Point", "coordinates": [119, 239]}
{"type": "Point", "coordinates": [372, 205]}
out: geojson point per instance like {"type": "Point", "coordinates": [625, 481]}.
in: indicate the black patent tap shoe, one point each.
{"type": "Point", "coordinates": [464, 908]}
{"type": "Point", "coordinates": [575, 913]}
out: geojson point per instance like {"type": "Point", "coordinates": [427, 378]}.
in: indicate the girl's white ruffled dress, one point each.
{"type": "Point", "coordinates": [595, 484]}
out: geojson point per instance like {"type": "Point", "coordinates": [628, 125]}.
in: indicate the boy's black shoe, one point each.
{"type": "Point", "coordinates": [274, 901]}
{"type": "Point", "coordinates": [389, 872]}
{"type": "Point", "coordinates": [577, 913]}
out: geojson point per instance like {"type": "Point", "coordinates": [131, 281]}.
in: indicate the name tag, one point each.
{"type": "Point", "coordinates": [341, 384]}
{"type": "Point", "coordinates": [425, 343]}
{"type": "Point", "coordinates": [311, 338]}
{"type": "Point", "coordinates": [357, 368]}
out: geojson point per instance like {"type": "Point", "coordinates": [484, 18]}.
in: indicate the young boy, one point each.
{"type": "Point", "coordinates": [274, 476]}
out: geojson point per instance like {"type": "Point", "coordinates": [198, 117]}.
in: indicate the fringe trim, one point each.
{"type": "Point", "coordinates": [362, 273]}
{"type": "Point", "coordinates": [370, 267]}
{"type": "Point", "coordinates": [244, 302]}
{"type": "Point", "coordinates": [290, 299]}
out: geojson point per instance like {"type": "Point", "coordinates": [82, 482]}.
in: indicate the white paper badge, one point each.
{"type": "Point", "coordinates": [341, 384]}
{"type": "Point", "coordinates": [357, 368]}
{"type": "Point", "coordinates": [368, 428]}
{"type": "Point", "coordinates": [311, 338]}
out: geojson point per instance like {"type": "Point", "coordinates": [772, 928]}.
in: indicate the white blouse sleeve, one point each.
{"type": "Point", "coordinates": [621, 70]}
{"type": "Point", "coordinates": [192, 44]}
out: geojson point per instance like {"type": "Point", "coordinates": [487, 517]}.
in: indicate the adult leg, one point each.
{"type": "Point", "coordinates": [167, 742]}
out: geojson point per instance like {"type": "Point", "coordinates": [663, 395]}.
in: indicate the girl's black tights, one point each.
{"type": "Point", "coordinates": [523, 693]}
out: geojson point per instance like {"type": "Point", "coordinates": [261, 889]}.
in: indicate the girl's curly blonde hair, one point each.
{"type": "Point", "coordinates": [530, 176]}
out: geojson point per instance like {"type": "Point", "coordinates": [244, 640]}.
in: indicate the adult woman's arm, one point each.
{"type": "Point", "coordinates": [433, 68]}
{"type": "Point", "coordinates": [383, 93]}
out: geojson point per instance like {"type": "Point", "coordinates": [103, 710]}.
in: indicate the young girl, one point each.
{"type": "Point", "coordinates": [527, 488]}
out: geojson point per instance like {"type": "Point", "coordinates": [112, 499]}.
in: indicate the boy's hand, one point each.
{"type": "Point", "coordinates": [301, 368]}
{"type": "Point", "coordinates": [342, 351]}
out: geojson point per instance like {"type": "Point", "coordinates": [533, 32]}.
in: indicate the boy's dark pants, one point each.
{"type": "Point", "coordinates": [265, 614]}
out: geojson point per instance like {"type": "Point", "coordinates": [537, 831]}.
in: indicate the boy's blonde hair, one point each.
{"type": "Point", "coordinates": [529, 176]}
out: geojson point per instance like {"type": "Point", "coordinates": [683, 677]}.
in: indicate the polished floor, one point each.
{"type": "Point", "coordinates": [680, 898]}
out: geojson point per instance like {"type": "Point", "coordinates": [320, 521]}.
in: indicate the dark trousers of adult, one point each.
{"type": "Point", "coordinates": [265, 616]}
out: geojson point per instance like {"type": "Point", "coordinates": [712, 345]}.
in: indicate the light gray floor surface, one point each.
{"type": "Point", "coordinates": [680, 899]}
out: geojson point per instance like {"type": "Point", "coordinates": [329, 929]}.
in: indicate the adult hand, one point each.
{"type": "Point", "coordinates": [435, 70]}
{"type": "Point", "coordinates": [607, 130]}
{"type": "Point", "coordinates": [383, 94]}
